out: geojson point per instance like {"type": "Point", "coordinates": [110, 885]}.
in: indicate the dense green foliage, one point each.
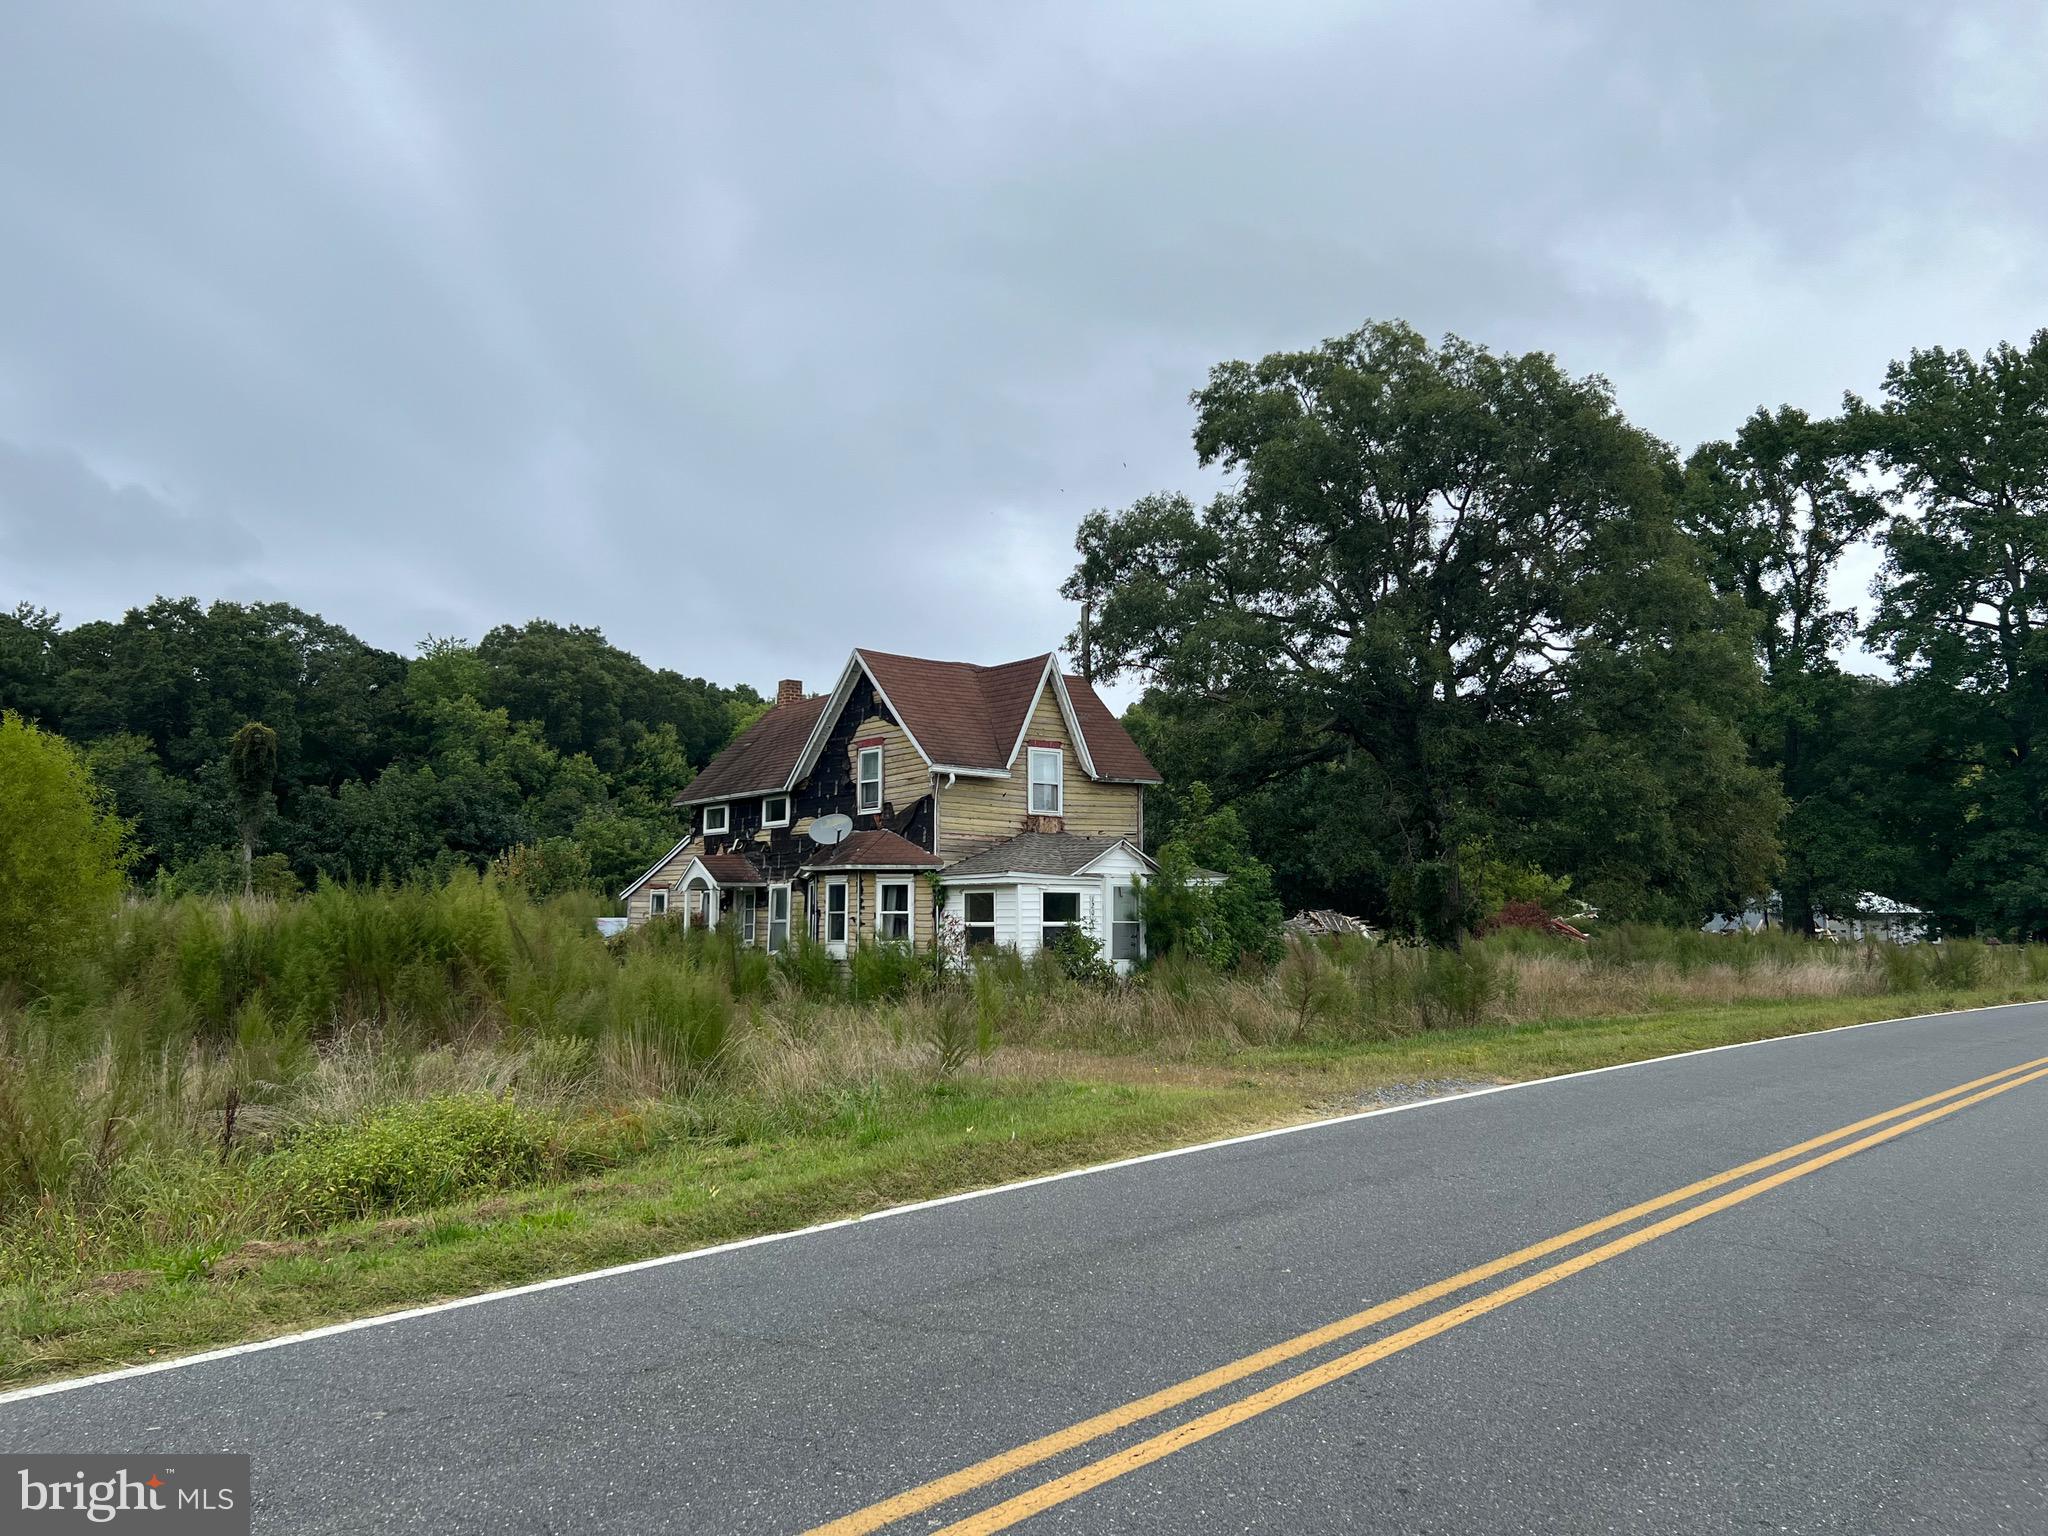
{"type": "Point", "coordinates": [1454, 633]}
{"type": "Point", "coordinates": [1185, 910]}
{"type": "Point", "coordinates": [61, 853]}
{"type": "Point", "coordinates": [1442, 605]}
{"type": "Point", "coordinates": [1453, 614]}
{"type": "Point", "coordinates": [407, 1157]}
{"type": "Point", "coordinates": [364, 764]}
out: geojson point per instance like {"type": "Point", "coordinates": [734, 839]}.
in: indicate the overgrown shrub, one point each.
{"type": "Point", "coordinates": [1079, 955]}
{"type": "Point", "coordinates": [1954, 963]}
{"type": "Point", "coordinates": [1457, 988]}
{"type": "Point", "coordinates": [808, 970]}
{"type": "Point", "coordinates": [951, 1025]}
{"type": "Point", "coordinates": [62, 851]}
{"type": "Point", "coordinates": [681, 1014]}
{"type": "Point", "coordinates": [1312, 985]}
{"type": "Point", "coordinates": [881, 972]}
{"type": "Point", "coordinates": [218, 872]}
{"type": "Point", "coordinates": [1221, 924]}
{"type": "Point", "coordinates": [406, 1157]}
{"type": "Point", "coordinates": [1903, 971]}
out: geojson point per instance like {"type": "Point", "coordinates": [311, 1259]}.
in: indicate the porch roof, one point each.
{"type": "Point", "coordinates": [1041, 853]}
{"type": "Point", "coordinates": [874, 849]}
{"type": "Point", "coordinates": [729, 869]}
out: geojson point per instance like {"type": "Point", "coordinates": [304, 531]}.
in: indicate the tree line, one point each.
{"type": "Point", "coordinates": [1455, 629]}
{"type": "Point", "coordinates": [227, 732]}
{"type": "Point", "coordinates": [1453, 633]}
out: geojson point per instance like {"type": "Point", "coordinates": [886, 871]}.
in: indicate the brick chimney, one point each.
{"type": "Point", "coordinates": [789, 691]}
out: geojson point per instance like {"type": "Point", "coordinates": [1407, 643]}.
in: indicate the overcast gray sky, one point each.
{"type": "Point", "coordinates": [753, 332]}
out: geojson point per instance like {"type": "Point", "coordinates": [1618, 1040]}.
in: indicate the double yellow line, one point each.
{"type": "Point", "coordinates": [1058, 1490]}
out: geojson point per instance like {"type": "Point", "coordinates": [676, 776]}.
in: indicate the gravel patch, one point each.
{"type": "Point", "coordinates": [1388, 1094]}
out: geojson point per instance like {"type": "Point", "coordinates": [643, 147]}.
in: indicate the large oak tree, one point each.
{"type": "Point", "coordinates": [1439, 607]}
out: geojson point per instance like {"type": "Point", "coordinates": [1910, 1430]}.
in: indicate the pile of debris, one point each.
{"type": "Point", "coordinates": [1323, 923]}
{"type": "Point", "coordinates": [1527, 915]}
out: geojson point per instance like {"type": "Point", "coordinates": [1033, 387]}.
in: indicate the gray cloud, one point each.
{"type": "Point", "coordinates": [670, 319]}
{"type": "Point", "coordinates": [58, 515]}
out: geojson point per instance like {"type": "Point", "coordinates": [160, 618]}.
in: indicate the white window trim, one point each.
{"type": "Point", "coordinates": [749, 906]}
{"type": "Point", "coordinates": [1059, 782]}
{"type": "Point", "coordinates": [1137, 922]}
{"type": "Point", "coordinates": [788, 917]}
{"type": "Point", "coordinates": [860, 780]}
{"type": "Point", "coordinates": [768, 821]}
{"type": "Point", "coordinates": [993, 925]}
{"type": "Point", "coordinates": [845, 913]}
{"type": "Point", "coordinates": [909, 911]}
{"type": "Point", "coordinates": [1080, 911]}
{"type": "Point", "coordinates": [657, 904]}
{"type": "Point", "coordinates": [724, 814]}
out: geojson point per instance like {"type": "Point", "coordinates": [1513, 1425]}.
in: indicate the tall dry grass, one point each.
{"type": "Point", "coordinates": [221, 1059]}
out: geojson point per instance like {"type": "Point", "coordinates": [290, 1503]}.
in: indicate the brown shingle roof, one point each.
{"type": "Point", "coordinates": [760, 757]}
{"type": "Point", "coordinates": [874, 850]}
{"type": "Point", "coordinates": [1038, 853]}
{"type": "Point", "coordinates": [1109, 744]}
{"type": "Point", "coordinates": [965, 716]}
{"type": "Point", "coordinates": [962, 715]}
{"type": "Point", "coordinates": [732, 869]}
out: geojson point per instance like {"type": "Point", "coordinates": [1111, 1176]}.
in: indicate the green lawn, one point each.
{"type": "Point", "coordinates": [926, 1140]}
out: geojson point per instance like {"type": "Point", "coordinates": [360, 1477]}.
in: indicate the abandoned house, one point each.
{"type": "Point", "coordinates": [920, 802]}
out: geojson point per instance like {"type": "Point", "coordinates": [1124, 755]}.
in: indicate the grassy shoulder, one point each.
{"type": "Point", "coordinates": [912, 1141]}
{"type": "Point", "coordinates": [918, 1142]}
{"type": "Point", "coordinates": [1552, 1047]}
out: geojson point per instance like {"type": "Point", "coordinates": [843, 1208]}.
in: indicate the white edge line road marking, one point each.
{"type": "Point", "coordinates": [380, 1319]}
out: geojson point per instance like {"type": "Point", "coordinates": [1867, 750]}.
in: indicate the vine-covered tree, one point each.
{"type": "Point", "coordinates": [252, 770]}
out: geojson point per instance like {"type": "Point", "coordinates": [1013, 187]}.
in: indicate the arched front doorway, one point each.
{"type": "Point", "coordinates": [700, 903]}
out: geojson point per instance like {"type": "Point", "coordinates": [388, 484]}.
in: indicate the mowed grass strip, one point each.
{"type": "Point", "coordinates": [921, 1142]}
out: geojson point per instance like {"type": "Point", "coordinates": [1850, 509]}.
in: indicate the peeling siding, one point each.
{"type": "Point", "coordinates": [980, 813]}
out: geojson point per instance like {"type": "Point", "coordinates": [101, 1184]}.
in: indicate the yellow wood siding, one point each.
{"type": "Point", "coordinates": [864, 896]}
{"type": "Point", "coordinates": [905, 778]}
{"type": "Point", "coordinates": [640, 905]}
{"type": "Point", "coordinates": [977, 813]}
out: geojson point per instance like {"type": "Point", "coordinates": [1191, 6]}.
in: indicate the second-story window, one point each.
{"type": "Point", "coordinates": [1047, 768]}
{"type": "Point", "coordinates": [870, 779]}
{"type": "Point", "coordinates": [717, 819]}
{"type": "Point", "coordinates": [775, 811]}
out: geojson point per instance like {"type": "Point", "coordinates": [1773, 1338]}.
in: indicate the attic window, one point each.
{"type": "Point", "coordinates": [870, 779]}
{"type": "Point", "coordinates": [1048, 767]}
{"type": "Point", "coordinates": [717, 819]}
{"type": "Point", "coordinates": [775, 811]}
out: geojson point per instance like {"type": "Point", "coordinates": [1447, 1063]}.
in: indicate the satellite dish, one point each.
{"type": "Point", "coordinates": [831, 829]}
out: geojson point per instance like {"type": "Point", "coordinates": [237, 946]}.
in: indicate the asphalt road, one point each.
{"type": "Point", "coordinates": [1861, 1348]}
